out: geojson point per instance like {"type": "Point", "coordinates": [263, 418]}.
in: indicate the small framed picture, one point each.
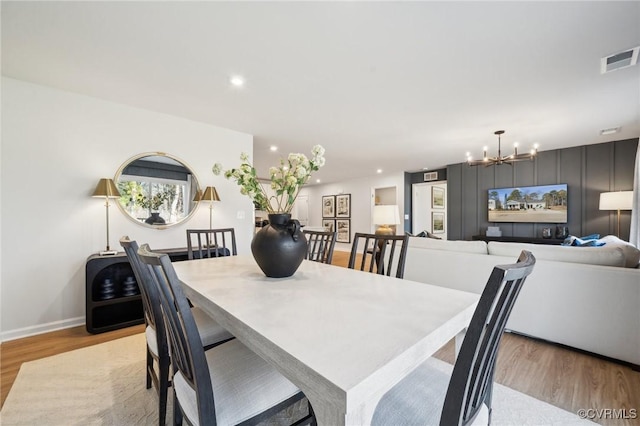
{"type": "Point", "coordinates": [343, 228]}
{"type": "Point", "coordinates": [437, 222]}
{"type": "Point", "coordinates": [329, 225]}
{"type": "Point", "coordinates": [437, 197]}
{"type": "Point", "coordinates": [328, 206]}
{"type": "Point", "coordinates": [343, 205]}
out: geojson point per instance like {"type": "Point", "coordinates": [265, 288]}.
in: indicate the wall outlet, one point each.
{"type": "Point", "coordinates": [240, 214]}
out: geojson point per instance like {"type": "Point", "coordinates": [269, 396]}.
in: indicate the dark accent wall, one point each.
{"type": "Point", "coordinates": [587, 170]}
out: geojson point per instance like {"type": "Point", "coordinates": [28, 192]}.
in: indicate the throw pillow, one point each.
{"type": "Point", "coordinates": [591, 240]}
{"type": "Point", "coordinates": [430, 235]}
{"type": "Point", "coordinates": [631, 253]}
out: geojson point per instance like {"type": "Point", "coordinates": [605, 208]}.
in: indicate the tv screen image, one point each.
{"type": "Point", "coordinates": [542, 203]}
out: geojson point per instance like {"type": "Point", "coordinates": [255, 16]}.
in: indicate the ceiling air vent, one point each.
{"type": "Point", "coordinates": [619, 60]}
{"type": "Point", "coordinates": [430, 176]}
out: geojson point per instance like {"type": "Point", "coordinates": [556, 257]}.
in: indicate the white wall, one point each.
{"type": "Point", "coordinates": [361, 191]}
{"type": "Point", "coordinates": [56, 145]}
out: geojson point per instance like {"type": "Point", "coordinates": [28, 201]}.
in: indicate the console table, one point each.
{"type": "Point", "coordinates": [121, 307]}
{"type": "Point", "coordinates": [530, 240]}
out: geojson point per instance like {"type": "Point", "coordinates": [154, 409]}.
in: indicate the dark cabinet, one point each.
{"type": "Point", "coordinates": [113, 299]}
{"type": "Point", "coordinates": [530, 240]}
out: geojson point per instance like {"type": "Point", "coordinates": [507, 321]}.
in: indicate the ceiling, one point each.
{"type": "Point", "coordinates": [396, 86]}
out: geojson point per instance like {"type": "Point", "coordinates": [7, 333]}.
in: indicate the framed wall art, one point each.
{"type": "Point", "coordinates": [343, 228]}
{"type": "Point", "coordinates": [437, 222]}
{"type": "Point", "coordinates": [329, 225]}
{"type": "Point", "coordinates": [328, 206]}
{"type": "Point", "coordinates": [437, 197]}
{"type": "Point", "coordinates": [343, 205]}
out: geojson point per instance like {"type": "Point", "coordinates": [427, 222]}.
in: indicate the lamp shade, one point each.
{"type": "Point", "coordinates": [210, 194]}
{"type": "Point", "coordinates": [198, 195]}
{"type": "Point", "coordinates": [621, 200]}
{"type": "Point", "coordinates": [106, 188]}
{"type": "Point", "coordinates": [386, 215]}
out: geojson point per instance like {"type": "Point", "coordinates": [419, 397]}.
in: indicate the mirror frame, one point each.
{"type": "Point", "coordinates": [127, 162]}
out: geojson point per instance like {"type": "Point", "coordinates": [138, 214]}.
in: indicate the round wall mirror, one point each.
{"type": "Point", "coordinates": [156, 189]}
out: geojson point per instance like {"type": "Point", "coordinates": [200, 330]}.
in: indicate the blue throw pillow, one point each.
{"type": "Point", "coordinates": [586, 241]}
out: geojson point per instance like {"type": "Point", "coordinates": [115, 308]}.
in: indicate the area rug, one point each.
{"type": "Point", "coordinates": [104, 385]}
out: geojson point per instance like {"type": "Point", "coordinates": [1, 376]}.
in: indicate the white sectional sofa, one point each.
{"type": "Point", "coordinates": [583, 297]}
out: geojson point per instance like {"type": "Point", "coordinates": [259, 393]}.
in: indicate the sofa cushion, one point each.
{"type": "Point", "coordinates": [631, 253]}
{"type": "Point", "coordinates": [612, 256]}
{"type": "Point", "coordinates": [479, 247]}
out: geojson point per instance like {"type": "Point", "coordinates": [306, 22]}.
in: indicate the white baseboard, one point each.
{"type": "Point", "coordinates": [41, 328]}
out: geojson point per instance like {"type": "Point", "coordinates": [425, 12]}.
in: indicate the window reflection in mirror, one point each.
{"type": "Point", "coordinates": [156, 189]}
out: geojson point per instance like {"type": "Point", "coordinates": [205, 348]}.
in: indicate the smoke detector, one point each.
{"type": "Point", "coordinates": [619, 60]}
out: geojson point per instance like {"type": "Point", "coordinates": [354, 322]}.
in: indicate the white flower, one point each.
{"type": "Point", "coordinates": [286, 180]}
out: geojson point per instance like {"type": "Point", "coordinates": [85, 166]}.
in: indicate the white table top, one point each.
{"type": "Point", "coordinates": [344, 337]}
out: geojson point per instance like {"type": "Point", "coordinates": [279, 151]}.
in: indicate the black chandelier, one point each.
{"type": "Point", "coordinates": [500, 159]}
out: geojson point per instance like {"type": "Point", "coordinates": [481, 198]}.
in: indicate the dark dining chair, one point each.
{"type": "Point", "coordinates": [320, 245]}
{"type": "Point", "coordinates": [206, 243]}
{"type": "Point", "coordinates": [226, 385]}
{"type": "Point", "coordinates": [428, 396]}
{"type": "Point", "coordinates": [379, 254]}
{"type": "Point", "coordinates": [210, 332]}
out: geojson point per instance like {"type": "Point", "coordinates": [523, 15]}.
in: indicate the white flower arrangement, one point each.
{"type": "Point", "coordinates": [286, 180]}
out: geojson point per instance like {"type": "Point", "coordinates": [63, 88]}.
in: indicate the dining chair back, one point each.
{"type": "Point", "coordinates": [379, 254]}
{"type": "Point", "coordinates": [320, 245]}
{"type": "Point", "coordinates": [465, 395]}
{"type": "Point", "coordinates": [206, 243]}
{"type": "Point", "coordinates": [471, 382]}
{"type": "Point", "coordinates": [157, 346]}
{"type": "Point", "coordinates": [247, 389]}
{"type": "Point", "coordinates": [209, 331]}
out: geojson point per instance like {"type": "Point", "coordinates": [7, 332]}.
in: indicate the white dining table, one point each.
{"type": "Point", "coordinates": [343, 336]}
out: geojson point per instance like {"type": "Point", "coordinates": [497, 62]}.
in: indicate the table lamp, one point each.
{"type": "Point", "coordinates": [385, 215]}
{"type": "Point", "coordinates": [620, 200]}
{"type": "Point", "coordinates": [210, 194]}
{"type": "Point", "coordinates": [106, 188]}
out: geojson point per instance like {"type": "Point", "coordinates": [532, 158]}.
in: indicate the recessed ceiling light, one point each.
{"type": "Point", "coordinates": [237, 81]}
{"type": "Point", "coordinates": [273, 148]}
{"type": "Point", "coordinates": [425, 168]}
{"type": "Point", "coordinates": [317, 180]}
{"type": "Point", "coordinates": [609, 131]}
{"type": "Point", "coordinates": [379, 171]}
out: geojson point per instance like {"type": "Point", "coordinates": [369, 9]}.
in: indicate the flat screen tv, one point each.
{"type": "Point", "coordinates": [538, 204]}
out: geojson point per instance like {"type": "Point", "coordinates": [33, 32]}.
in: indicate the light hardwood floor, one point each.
{"type": "Point", "coordinates": [559, 376]}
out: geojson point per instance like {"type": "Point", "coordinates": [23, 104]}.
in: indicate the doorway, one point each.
{"type": "Point", "coordinates": [384, 196]}
{"type": "Point", "coordinates": [429, 208]}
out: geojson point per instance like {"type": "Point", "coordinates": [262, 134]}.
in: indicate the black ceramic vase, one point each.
{"type": "Point", "coordinates": [155, 219]}
{"type": "Point", "coordinates": [279, 247]}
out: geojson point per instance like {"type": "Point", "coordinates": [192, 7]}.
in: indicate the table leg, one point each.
{"type": "Point", "coordinates": [326, 415]}
{"type": "Point", "coordinates": [458, 340]}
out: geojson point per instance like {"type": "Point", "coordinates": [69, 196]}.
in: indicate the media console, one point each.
{"type": "Point", "coordinates": [531, 240]}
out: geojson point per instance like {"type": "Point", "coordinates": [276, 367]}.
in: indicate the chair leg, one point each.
{"type": "Point", "coordinates": [177, 411]}
{"type": "Point", "coordinates": [149, 367]}
{"type": "Point", "coordinates": [163, 373]}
